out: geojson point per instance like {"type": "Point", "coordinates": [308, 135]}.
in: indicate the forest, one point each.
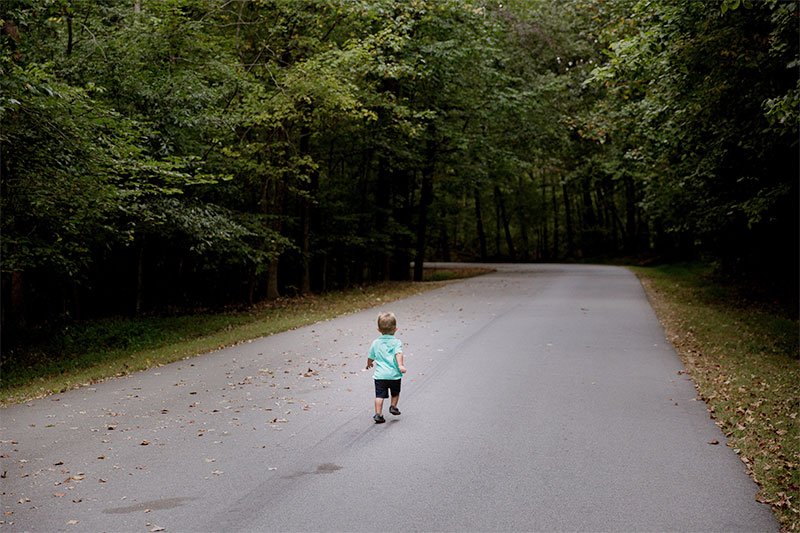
{"type": "Point", "coordinates": [163, 155]}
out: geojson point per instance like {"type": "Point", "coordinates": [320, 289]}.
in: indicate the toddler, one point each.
{"type": "Point", "coordinates": [386, 355]}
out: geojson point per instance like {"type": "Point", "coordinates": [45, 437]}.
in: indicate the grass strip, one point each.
{"type": "Point", "coordinates": [743, 358]}
{"type": "Point", "coordinates": [56, 360]}
{"type": "Point", "coordinates": [86, 353]}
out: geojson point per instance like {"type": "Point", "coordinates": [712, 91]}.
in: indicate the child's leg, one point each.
{"type": "Point", "coordinates": [396, 392]}
{"type": "Point", "coordinates": [379, 405]}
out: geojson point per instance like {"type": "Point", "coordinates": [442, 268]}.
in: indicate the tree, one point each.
{"type": "Point", "coordinates": [717, 171]}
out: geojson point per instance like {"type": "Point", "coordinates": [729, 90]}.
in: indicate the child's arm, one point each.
{"type": "Point", "coordinates": [399, 357]}
{"type": "Point", "coordinates": [369, 363]}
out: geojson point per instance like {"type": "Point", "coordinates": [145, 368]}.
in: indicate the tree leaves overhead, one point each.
{"type": "Point", "coordinates": [232, 151]}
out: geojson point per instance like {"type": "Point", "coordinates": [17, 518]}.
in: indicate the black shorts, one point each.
{"type": "Point", "coordinates": [382, 387]}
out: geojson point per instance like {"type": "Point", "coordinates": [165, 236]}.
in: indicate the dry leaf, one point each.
{"type": "Point", "coordinates": [715, 441]}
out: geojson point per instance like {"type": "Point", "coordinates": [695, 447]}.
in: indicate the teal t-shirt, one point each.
{"type": "Point", "coordinates": [382, 351]}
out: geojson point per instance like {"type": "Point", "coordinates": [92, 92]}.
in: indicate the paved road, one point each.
{"type": "Point", "coordinates": [538, 398]}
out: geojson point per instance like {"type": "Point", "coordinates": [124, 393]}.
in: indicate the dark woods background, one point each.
{"type": "Point", "coordinates": [173, 154]}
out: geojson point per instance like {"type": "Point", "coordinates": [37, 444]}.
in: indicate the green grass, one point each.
{"type": "Point", "coordinates": [85, 353]}
{"type": "Point", "coordinates": [742, 354]}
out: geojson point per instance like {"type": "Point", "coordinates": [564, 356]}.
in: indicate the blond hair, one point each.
{"type": "Point", "coordinates": [387, 323]}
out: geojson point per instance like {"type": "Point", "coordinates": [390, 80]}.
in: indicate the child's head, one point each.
{"type": "Point", "coordinates": [387, 323]}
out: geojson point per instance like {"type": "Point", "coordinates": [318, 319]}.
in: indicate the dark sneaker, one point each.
{"type": "Point", "coordinates": [394, 410]}
{"type": "Point", "coordinates": [379, 419]}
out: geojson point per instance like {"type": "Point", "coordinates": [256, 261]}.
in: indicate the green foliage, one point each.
{"type": "Point", "coordinates": [238, 150]}
{"type": "Point", "coordinates": [699, 99]}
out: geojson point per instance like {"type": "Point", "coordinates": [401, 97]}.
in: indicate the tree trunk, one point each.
{"type": "Point", "coordinates": [502, 211]}
{"type": "Point", "coordinates": [277, 226]}
{"type": "Point", "coordinates": [497, 251]}
{"type": "Point", "coordinates": [425, 200]}
{"type": "Point", "coordinates": [383, 194]}
{"type": "Point", "coordinates": [555, 220]}
{"type": "Point", "coordinates": [523, 218]}
{"type": "Point", "coordinates": [18, 311]}
{"type": "Point", "coordinates": [69, 35]}
{"type": "Point", "coordinates": [617, 228]}
{"type": "Point", "coordinates": [588, 212]}
{"type": "Point", "coordinates": [403, 214]}
{"type": "Point", "coordinates": [479, 221]}
{"type": "Point", "coordinates": [545, 246]}
{"type": "Point", "coordinates": [305, 284]}
{"type": "Point", "coordinates": [630, 214]}
{"type": "Point", "coordinates": [568, 221]}
{"type": "Point", "coordinates": [305, 215]}
{"type": "Point", "coordinates": [272, 280]}
{"type": "Point", "coordinates": [426, 197]}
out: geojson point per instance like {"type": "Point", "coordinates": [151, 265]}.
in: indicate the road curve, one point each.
{"type": "Point", "coordinates": [538, 398]}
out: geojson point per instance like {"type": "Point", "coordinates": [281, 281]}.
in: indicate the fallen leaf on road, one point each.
{"type": "Point", "coordinates": [144, 443]}
{"type": "Point", "coordinates": [72, 522]}
{"type": "Point", "coordinates": [715, 441]}
{"type": "Point", "coordinates": [157, 528]}
{"type": "Point", "coordinates": [217, 472]}
{"type": "Point", "coordinates": [59, 495]}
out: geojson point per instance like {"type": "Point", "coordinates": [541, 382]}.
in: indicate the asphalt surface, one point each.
{"type": "Point", "coordinates": [538, 398]}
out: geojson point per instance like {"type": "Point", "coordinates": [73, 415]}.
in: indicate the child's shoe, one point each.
{"type": "Point", "coordinates": [379, 419]}
{"type": "Point", "coordinates": [394, 410]}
